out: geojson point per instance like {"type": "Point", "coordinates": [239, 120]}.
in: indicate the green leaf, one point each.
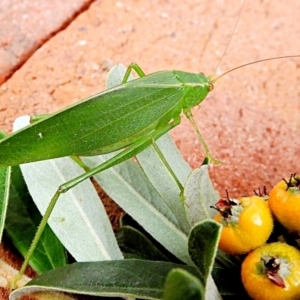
{"type": "Point", "coordinates": [4, 192]}
{"type": "Point", "coordinates": [127, 220]}
{"type": "Point", "coordinates": [203, 246]}
{"type": "Point", "coordinates": [199, 196]}
{"type": "Point", "coordinates": [121, 278]}
{"type": "Point", "coordinates": [21, 224]}
{"type": "Point", "coordinates": [161, 178]}
{"type": "Point", "coordinates": [134, 244]}
{"type": "Point", "coordinates": [181, 285]}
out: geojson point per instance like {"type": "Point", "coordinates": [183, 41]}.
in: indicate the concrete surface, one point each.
{"type": "Point", "coordinates": [250, 121]}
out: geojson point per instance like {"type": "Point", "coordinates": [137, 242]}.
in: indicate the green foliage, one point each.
{"type": "Point", "coordinates": [4, 191]}
{"type": "Point", "coordinates": [120, 278]}
{"type": "Point", "coordinates": [181, 285]}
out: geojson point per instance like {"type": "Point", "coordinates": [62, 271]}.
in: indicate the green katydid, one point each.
{"type": "Point", "coordinates": [155, 100]}
{"type": "Point", "coordinates": [116, 112]}
{"type": "Point", "coordinates": [104, 123]}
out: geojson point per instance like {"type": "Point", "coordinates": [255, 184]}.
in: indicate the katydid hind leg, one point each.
{"type": "Point", "coordinates": [168, 167]}
{"type": "Point", "coordinates": [126, 154]}
{"type": "Point", "coordinates": [132, 150]}
{"type": "Point", "coordinates": [80, 163]}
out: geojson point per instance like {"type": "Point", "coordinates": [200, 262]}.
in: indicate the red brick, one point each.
{"type": "Point", "coordinates": [26, 25]}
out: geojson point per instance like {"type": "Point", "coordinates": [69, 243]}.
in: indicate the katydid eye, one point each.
{"type": "Point", "coordinates": [210, 87]}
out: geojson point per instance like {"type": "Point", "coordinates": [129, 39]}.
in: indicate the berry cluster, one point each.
{"type": "Point", "coordinates": [261, 227]}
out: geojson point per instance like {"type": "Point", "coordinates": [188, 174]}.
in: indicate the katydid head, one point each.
{"type": "Point", "coordinates": [195, 87]}
{"type": "Point", "coordinates": [198, 92]}
{"type": "Point", "coordinates": [210, 82]}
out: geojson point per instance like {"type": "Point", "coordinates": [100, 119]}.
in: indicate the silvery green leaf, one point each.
{"type": "Point", "coordinates": [4, 192]}
{"type": "Point", "coordinates": [203, 252]}
{"type": "Point", "coordinates": [211, 292]}
{"type": "Point", "coordinates": [126, 279]}
{"type": "Point", "coordinates": [199, 196]}
{"type": "Point", "coordinates": [152, 197]}
{"type": "Point", "coordinates": [128, 186]}
{"type": "Point", "coordinates": [161, 178]}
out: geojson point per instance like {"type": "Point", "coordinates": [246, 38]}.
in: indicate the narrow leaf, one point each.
{"type": "Point", "coordinates": [131, 190]}
{"type": "Point", "coordinates": [199, 196]}
{"type": "Point", "coordinates": [4, 192]}
{"type": "Point", "coordinates": [203, 246]}
{"type": "Point", "coordinates": [161, 178]}
{"type": "Point", "coordinates": [134, 244]}
{"type": "Point", "coordinates": [78, 218]}
{"type": "Point", "coordinates": [181, 285]}
{"type": "Point", "coordinates": [121, 278]}
{"type": "Point", "coordinates": [4, 195]}
{"type": "Point", "coordinates": [128, 221]}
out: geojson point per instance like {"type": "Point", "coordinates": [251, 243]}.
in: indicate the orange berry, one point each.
{"type": "Point", "coordinates": [272, 272]}
{"type": "Point", "coordinates": [247, 224]}
{"type": "Point", "coordinates": [284, 201]}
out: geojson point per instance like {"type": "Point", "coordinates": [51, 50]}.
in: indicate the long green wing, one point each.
{"type": "Point", "coordinates": [100, 124]}
{"type": "Point", "coordinates": [107, 121]}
